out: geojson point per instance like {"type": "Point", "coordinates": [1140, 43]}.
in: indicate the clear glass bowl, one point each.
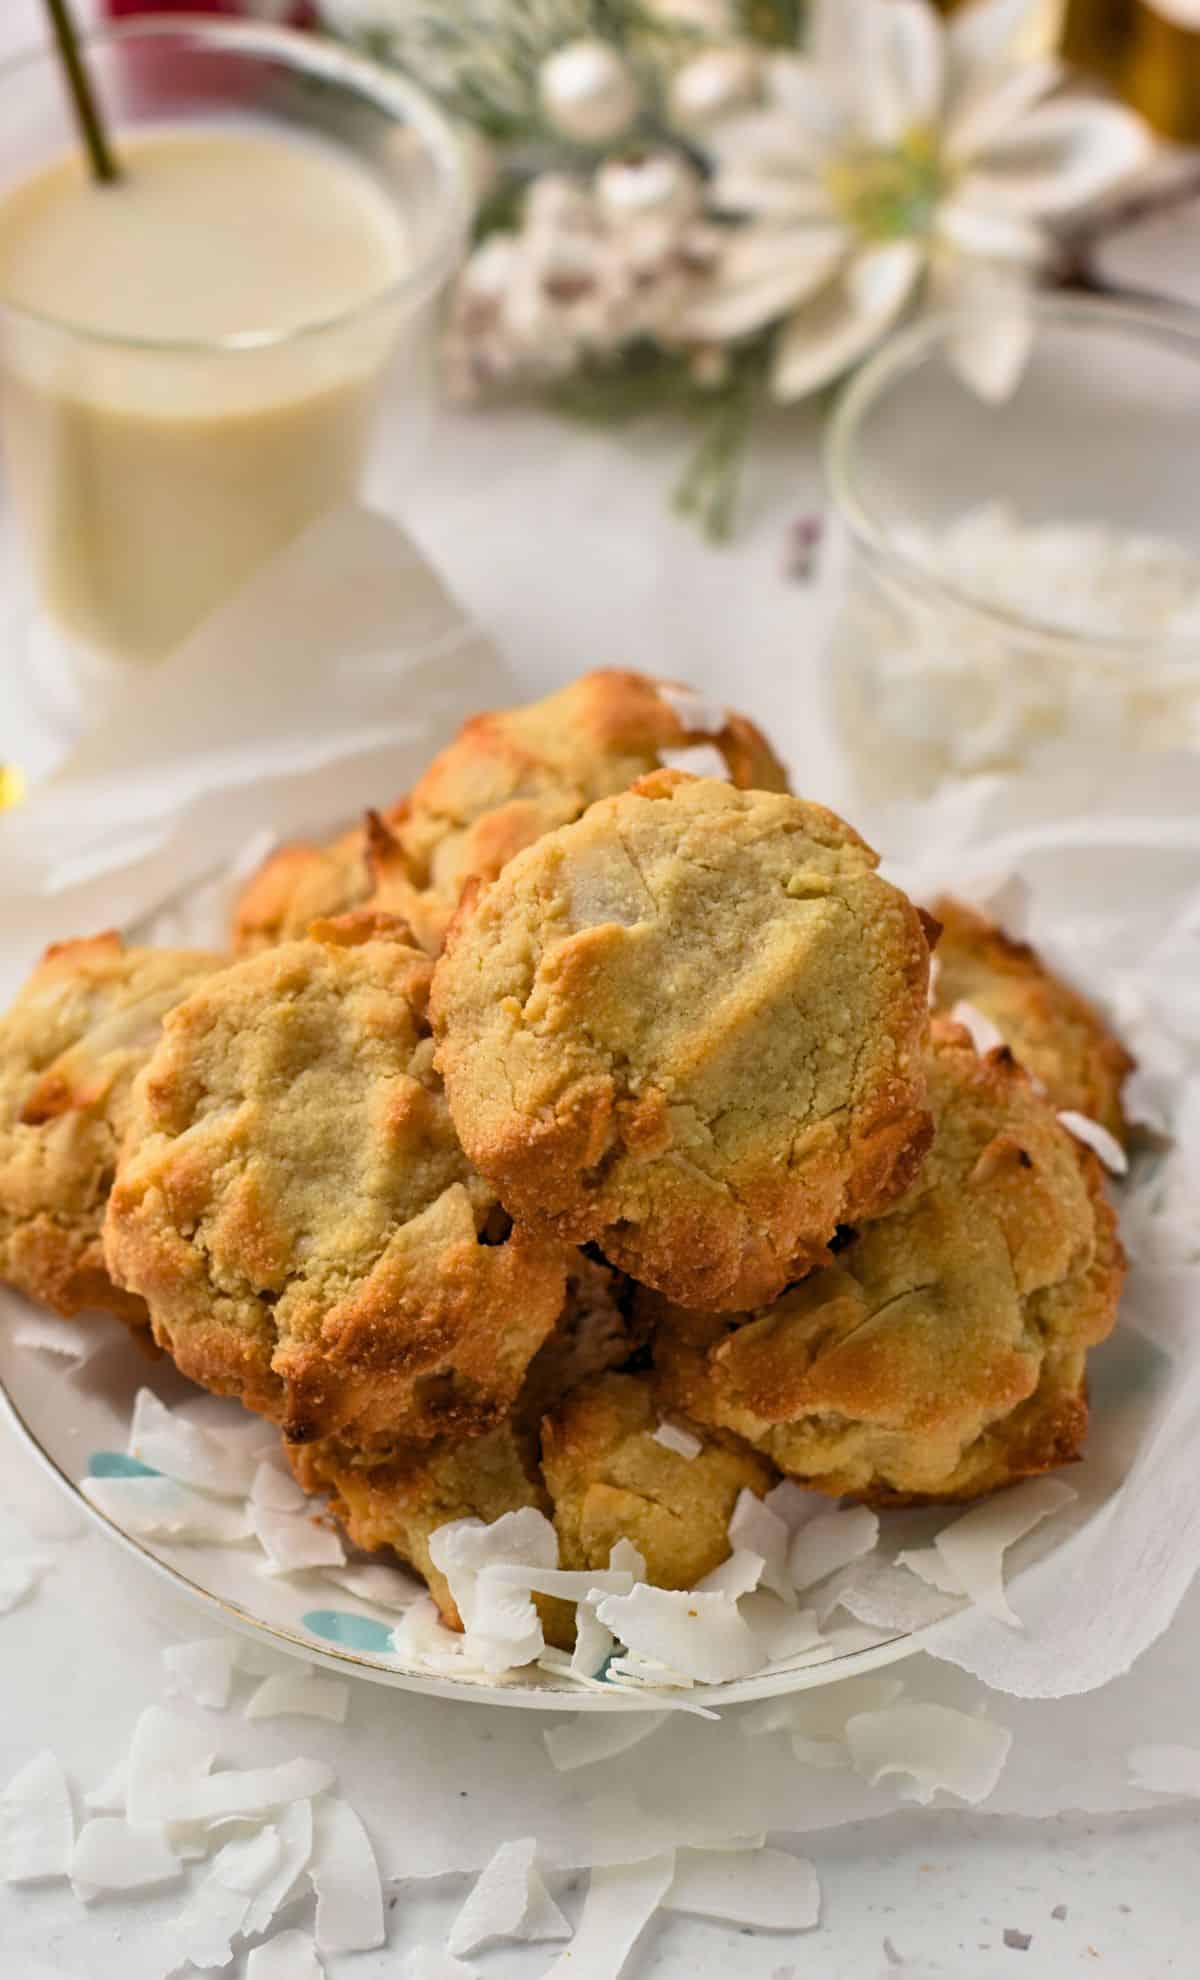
{"type": "Point", "coordinates": [940, 666]}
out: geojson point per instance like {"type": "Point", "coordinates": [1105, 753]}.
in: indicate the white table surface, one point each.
{"type": "Point", "coordinates": [560, 541]}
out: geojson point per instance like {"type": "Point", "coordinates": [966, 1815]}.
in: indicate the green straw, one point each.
{"type": "Point", "coordinates": [91, 124]}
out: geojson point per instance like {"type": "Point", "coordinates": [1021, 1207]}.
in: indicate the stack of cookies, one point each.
{"type": "Point", "coordinates": [575, 1095]}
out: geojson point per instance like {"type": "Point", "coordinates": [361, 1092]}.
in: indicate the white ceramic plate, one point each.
{"type": "Point", "coordinates": [75, 1417]}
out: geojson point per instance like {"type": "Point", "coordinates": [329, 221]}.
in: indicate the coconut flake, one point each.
{"type": "Point", "coordinates": [255, 1791]}
{"type": "Point", "coordinates": [568, 1584]}
{"type": "Point", "coordinates": [422, 1638]}
{"type": "Point", "coordinates": [761, 1530]}
{"type": "Point", "coordinates": [506, 1629]}
{"type": "Point", "coordinates": [830, 1541]}
{"type": "Point", "coordinates": [294, 1830]}
{"type": "Point", "coordinates": [1098, 1139]}
{"type": "Point", "coordinates": [109, 1797]}
{"type": "Point", "coordinates": [276, 1489]}
{"type": "Point", "coordinates": [294, 1541]}
{"type": "Point", "coordinates": [110, 1855]}
{"type": "Point", "coordinates": [739, 1574]}
{"type": "Point", "coordinates": [793, 1504]}
{"type": "Point", "coordinates": [386, 1587]}
{"type": "Point", "coordinates": [692, 710]}
{"type": "Point", "coordinates": [624, 1556]}
{"type": "Point", "coordinates": [673, 1437]}
{"type": "Point", "coordinates": [1166, 1769]}
{"type": "Point", "coordinates": [19, 1576]}
{"type": "Point", "coordinates": [153, 1508]}
{"type": "Point", "coordinates": [509, 1901]}
{"type": "Point", "coordinates": [984, 1035]}
{"type": "Point", "coordinates": [698, 759]}
{"type": "Point", "coordinates": [593, 1643]}
{"type": "Point", "coordinates": [201, 1671]}
{"type": "Point", "coordinates": [288, 1956]}
{"type": "Point", "coordinates": [464, 1547]}
{"type": "Point", "coordinates": [432, 1963]}
{"type": "Point", "coordinates": [248, 1863]}
{"type": "Point", "coordinates": [816, 1720]}
{"type": "Point", "coordinates": [185, 1451]}
{"type": "Point", "coordinates": [583, 1741]}
{"type": "Point", "coordinates": [782, 1632]}
{"type": "Point", "coordinates": [345, 1877]}
{"type": "Point", "coordinates": [37, 1827]}
{"type": "Point", "coordinates": [68, 1338]}
{"type": "Point", "coordinates": [167, 1757]}
{"type": "Point", "coordinates": [934, 1746]}
{"type": "Point", "coordinates": [765, 1888]}
{"type": "Point", "coordinates": [972, 1548]}
{"type": "Point", "coordinates": [701, 1635]}
{"type": "Point", "coordinates": [300, 1694]}
{"type": "Point", "coordinates": [202, 1934]}
{"type": "Point", "coordinates": [257, 1661]}
{"type": "Point", "coordinates": [621, 1900]}
{"type": "Point", "coordinates": [928, 1565]}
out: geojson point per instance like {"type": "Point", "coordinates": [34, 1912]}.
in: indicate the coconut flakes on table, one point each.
{"type": "Point", "coordinates": [37, 1826]}
{"type": "Point", "coordinates": [702, 1636]}
{"type": "Point", "coordinates": [158, 1508]}
{"type": "Point", "coordinates": [815, 1721]}
{"type": "Point", "coordinates": [19, 1576]}
{"type": "Point", "coordinates": [620, 1903]}
{"type": "Point", "coordinates": [1166, 1769]}
{"type": "Point", "coordinates": [583, 1741]}
{"type": "Point", "coordinates": [167, 1756]}
{"type": "Point", "coordinates": [673, 1437]}
{"type": "Point", "coordinates": [244, 1792]}
{"type": "Point", "coordinates": [829, 1541]}
{"type": "Point", "coordinates": [762, 1888]}
{"type": "Point", "coordinates": [202, 1934]}
{"type": "Point", "coordinates": [932, 1746]}
{"type": "Point", "coordinates": [375, 1582]}
{"type": "Point", "coordinates": [300, 1694]}
{"type": "Point", "coordinates": [759, 1529]}
{"type": "Point", "coordinates": [249, 1863]}
{"type": "Point", "coordinates": [71, 1339]}
{"type": "Point", "coordinates": [345, 1876]}
{"type": "Point", "coordinates": [293, 1541]}
{"type": "Point", "coordinates": [294, 1830]}
{"type": "Point", "coordinates": [434, 1963]}
{"type": "Point", "coordinates": [201, 1671]}
{"type": "Point", "coordinates": [111, 1855]}
{"type": "Point", "coordinates": [971, 1549]}
{"type": "Point", "coordinates": [185, 1451]}
{"type": "Point", "coordinates": [509, 1901]}
{"type": "Point", "coordinates": [1096, 1137]}
{"type": "Point", "coordinates": [288, 1956]}
{"type": "Point", "coordinates": [109, 1797]}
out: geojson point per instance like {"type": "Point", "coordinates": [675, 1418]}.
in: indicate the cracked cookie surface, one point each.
{"type": "Point", "coordinates": [295, 1209]}
{"type": "Point", "coordinates": [942, 1354]}
{"type": "Point", "coordinates": [690, 1028]}
{"type": "Point", "coordinates": [70, 1046]}
{"type": "Point", "coordinates": [1057, 1035]}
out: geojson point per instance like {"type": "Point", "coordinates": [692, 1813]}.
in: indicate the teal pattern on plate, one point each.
{"type": "Point", "coordinates": [115, 1464]}
{"type": "Point", "coordinates": [348, 1631]}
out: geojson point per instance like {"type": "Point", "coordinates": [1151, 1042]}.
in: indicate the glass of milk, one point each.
{"type": "Point", "coordinates": [193, 361]}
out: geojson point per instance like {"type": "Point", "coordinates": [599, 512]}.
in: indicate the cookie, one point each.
{"type": "Point", "coordinates": [295, 1209]}
{"type": "Point", "coordinates": [942, 1354]}
{"type": "Point", "coordinates": [400, 1501]}
{"type": "Point", "coordinates": [690, 1028]}
{"type": "Point", "coordinates": [1059, 1037]}
{"type": "Point", "coordinates": [70, 1046]}
{"type": "Point", "coordinates": [507, 777]}
{"type": "Point", "coordinates": [609, 1480]}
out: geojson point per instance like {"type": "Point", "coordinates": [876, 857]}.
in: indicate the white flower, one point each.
{"type": "Point", "coordinates": [714, 83]}
{"type": "Point", "coordinates": [902, 149]}
{"type": "Point", "coordinates": [587, 92]}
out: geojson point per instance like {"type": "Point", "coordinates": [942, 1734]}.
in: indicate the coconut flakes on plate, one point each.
{"type": "Point", "coordinates": [300, 1694]}
{"type": "Point", "coordinates": [932, 1746]}
{"type": "Point", "coordinates": [971, 1549]}
{"type": "Point", "coordinates": [693, 710]}
{"type": "Point", "coordinates": [984, 1035]}
{"type": "Point", "coordinates": [782, 1632]}
{"type": "Point", "coordinates": [159, 1508]}
{"type": "Point", "coordinates": [509, 1901]}
{"type": "Point", "coordinates": [1166, 1769]}
{"type": "Point", "coordinates": [928, 1565]}
{"type": "Point", "coordinates": [794, 1504]}
{"type": "Point", "coordinates": [600, 1736]}
{"type": "Point", "coordinates": [37, 1826]}
{"type": "Point", "coordinates": [201, 1671]}
{"type": "Point", "coordinates": [698, 759]}
{"type": "Point", "coordinates": [464, 1547]}
{"type": "Point", "coordinates": [829, 1541]}
{"type": "Point", "coordinates": [293, 1541]}
{"type": "Point", "coordinates": [111, 1855]}
{"type": "Point", "coordinates": [185, 1451]}
{"type": "Point", "coordinates": [673, 1437]}
{"type": "Point", "coordinates": [71, 1339]}
{"type": "Point", "coordinates": [759, 1529]}
{"type": "Point", "coordinates": [19, 1576]}
{"type": "Point", "coordinates": [375, 1582]}
{"type": "Point", "coordinates": [738, 1574]}
{"type": "Point", "coordinates": [702, 1636]}
{"type": "Point", "coordinates": [594, 1643]}
{"type": "Point", "coordinates": [167, 1756]}
{"type": "Point", "coordinates": [345, 1876]}
{"type": "Point", "coordinates": [276, 1489]}
{"type": "Point", "coordinates": [568, 1584]}
{"type": "Point", "coordinates": [621, 1900]}
{"type": "Point", "coordinates": [763, 1888]}
{"type": "Point", "coordinates": [1096, 1137]}
{"type": "Point", "coordinates": [288, 1956]}
{"type": "Point", "coordinates": [294, 1829]}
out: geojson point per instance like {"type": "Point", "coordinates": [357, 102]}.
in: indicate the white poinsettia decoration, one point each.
{"type": "Point", "coordinates": [901, 153]}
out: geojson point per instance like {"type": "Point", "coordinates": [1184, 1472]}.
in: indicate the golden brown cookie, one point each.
{"type": "Point", "coordinates": [942, 1354]}
{"type": "Point", "coordinates": [295, 1209]}
{"type": "Point", "coordinates": [400, 1501]}
{"type": "Point", "coordinates": [610, 1480]}
{"type": "Point", "coordinates": [70, 1046]}
{"type": "Point", "coordinates": [1055, 1033]}
{"type": "Point", "coordinates": [690, 1028]}
{"type": "Point", "coordinates": [598, 1329]}
{"type": "Point", "coordinates": [507, 777]}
